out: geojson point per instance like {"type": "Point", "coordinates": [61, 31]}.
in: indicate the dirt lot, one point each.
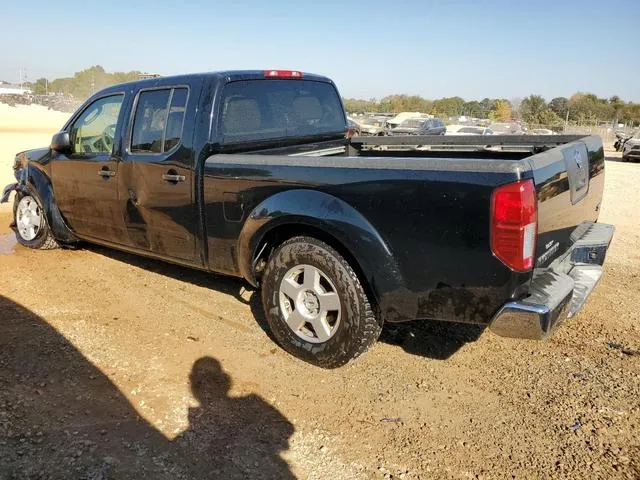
{"type": "Point", "coordinates": [112, 366]}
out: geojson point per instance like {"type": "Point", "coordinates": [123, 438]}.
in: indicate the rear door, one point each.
{"type": "Point", "coordinates": [156, 185]}
{"type": "Point", "coordinates": [85, 180]}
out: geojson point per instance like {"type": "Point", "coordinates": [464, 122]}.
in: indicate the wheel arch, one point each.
{"type": "Point", "coordinates": [37, 183]}
{"type": "Point", "coordinates": [302, 212]}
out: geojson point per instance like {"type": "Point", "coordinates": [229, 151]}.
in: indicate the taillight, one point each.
{"type": "Point", "coordinates": [514, 224]}
{"type": "Point", "coordinates": [282, 74]}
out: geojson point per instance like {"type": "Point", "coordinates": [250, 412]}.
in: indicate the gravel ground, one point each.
{"type": "Point", "coordinates": [113, 366]}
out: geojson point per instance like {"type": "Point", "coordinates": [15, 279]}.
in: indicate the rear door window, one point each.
{"type": "Point", "coordinates": [253, 110]}
{"type": "Point", "coordinates": [157, 125]}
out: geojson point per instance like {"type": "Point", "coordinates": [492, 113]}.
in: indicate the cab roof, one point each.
{"type": "Point", "coordinates": [226, 76]}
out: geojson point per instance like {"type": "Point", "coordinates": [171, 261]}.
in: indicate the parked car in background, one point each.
{"type": "Point", "coordinates": [372, 126]}
{"type": "Point", "coordinates": [506, 129]}
{"type": "Point", "coordinates": [469, 130]}
{"type": "Point", "coordinates": [403, 116]}
{"type": "Point", "coordinates": [420, 126]}
{"type": "Point", "coordinates": [353, 129]}
{"type": "Point", "coordinates": [541, 131]}
{"type": "Point", "coordinates": [621, 139]}
{"type": "Point", "coordinates": [631, 148]}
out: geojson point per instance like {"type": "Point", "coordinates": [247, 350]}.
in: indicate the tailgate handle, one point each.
{"type": "Point", "coordinates": [106, 173]}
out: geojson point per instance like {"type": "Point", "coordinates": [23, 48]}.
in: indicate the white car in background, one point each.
{"type": "Point", "coordinates": [468, 130]}
{"type": "Point", "coordinates": [541, 131]}
{"type": "Point", "coordinates": [372, 125]}
{"type": "Point", "coordinates": [503, 128]}
{"type": "Point", "coordinates": [631, 149]}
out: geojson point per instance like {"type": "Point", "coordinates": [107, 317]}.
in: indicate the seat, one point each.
{"type": "Point", "coordinates": [307, 110]}
{"type": "Point", "coordinates": [241, 117]}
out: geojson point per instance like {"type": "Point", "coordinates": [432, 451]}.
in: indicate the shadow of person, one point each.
{"type": "Point", "coordinates": [233, 437]}
{"type": "Point", "coordinates": [61, 417]}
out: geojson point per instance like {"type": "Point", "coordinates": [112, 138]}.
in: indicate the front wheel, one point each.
{"type": "Point", "coordinates": [31, 228]}
{"type": "Point", "coordinates": [315, 304]}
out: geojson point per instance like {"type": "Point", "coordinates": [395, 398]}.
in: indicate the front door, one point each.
{"type": "Point", "coordinates": [84, 180]}
{"type": "Point", "coordinates": [156, 176]}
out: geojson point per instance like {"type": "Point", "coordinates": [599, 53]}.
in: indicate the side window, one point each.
{"type": "Point", "coordinates": [157, 125]}
{"type": "Point", "coordinates": [175, 120]}
{"type": "Point", "coordinates": [94, 130]}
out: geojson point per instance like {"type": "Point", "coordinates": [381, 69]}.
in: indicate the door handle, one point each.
{"type": "Point", "coordinates": [107, 173]}
{"type": "Point", "coordinates": [170, 177]}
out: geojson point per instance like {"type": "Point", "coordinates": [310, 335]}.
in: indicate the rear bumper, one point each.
{"type": "Point", "coordinates": [559, 291]}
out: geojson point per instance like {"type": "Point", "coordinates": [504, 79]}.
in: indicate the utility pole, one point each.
{"type": "Point", "coordinates": [566, 120]}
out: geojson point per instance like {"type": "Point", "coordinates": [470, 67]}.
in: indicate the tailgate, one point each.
{"type": "Point", "coordinates": [569, 183]}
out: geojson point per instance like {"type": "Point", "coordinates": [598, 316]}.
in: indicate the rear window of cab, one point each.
{"type": "Point", "coordinates": [254, 110]}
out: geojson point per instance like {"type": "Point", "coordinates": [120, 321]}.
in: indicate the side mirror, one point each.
{"type": "Point", "coordinates": [60, 142]}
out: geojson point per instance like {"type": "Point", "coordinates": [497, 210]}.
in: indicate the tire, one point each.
{"type": "Point", "coordinates": [42, 238]}
{"type": "Point", "coordinates": [353, 328]}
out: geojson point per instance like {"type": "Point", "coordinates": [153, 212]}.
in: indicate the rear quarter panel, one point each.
{"type": "Point", "coordinates": [431, 214]}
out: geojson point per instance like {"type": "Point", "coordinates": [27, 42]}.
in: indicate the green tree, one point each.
{"type": "Point", "coordinates": [448, 107]}
{"type": "Point", "coordinates": [531, 107]}
{"type": "Point", "coordinates": [559, 106]}
{"type": "Point", "coordinates": [472, 109]}
{"type": "Point", "coordinates": [631, 113]}
{"type": "Point", "coordinates": [618, 106]}
{"type": "Point", "coordinates": [88, 81]}
{"type": "Point", "coordinates": [353, 105]}
{"type": "Point", "coordinates": [40, 87]}
{"type": "Point", "coordinates": [487, 105]}
{"type": "Point", "coordinates": [549, 118]}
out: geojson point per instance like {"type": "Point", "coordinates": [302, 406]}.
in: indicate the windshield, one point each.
{"type": "Point", "coordinates": [412, 123]}
{"type": "Point", "coordinates": [370, 121]}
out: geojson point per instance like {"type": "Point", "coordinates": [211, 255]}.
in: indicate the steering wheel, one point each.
{"type": "Point", "coordinates": [107, 136]}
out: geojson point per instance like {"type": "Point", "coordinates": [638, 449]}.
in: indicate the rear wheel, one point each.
{"type": "Point", "coordinates": [315, 305]}
{"type": "Point", "coordinates": [32, 229]}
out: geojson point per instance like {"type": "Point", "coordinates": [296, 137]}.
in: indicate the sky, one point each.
{"type": "Point", "coordinates": [473, 49]}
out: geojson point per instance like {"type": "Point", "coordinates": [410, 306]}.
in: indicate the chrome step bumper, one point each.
{"type": "Point", "coordinates": [559, 291]}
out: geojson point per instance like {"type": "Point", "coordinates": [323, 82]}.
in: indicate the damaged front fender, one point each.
{"type": "Point", "coordinates": [7, 191]}
{"type": "Point", "coordinates": [35, 182]}
{"type": "Point", "coordinates": [12, 187]}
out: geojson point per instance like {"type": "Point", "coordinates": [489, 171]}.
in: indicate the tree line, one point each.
{"type": "Point", "coordinates": [579, 109]}
{"type": "Point", "coordinates": [83, 83]}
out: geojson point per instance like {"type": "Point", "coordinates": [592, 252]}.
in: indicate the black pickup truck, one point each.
{"type": "Point", "coordinates": [249, 173]}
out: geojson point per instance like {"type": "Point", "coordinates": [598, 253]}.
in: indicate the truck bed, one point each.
{"type": "Point", "coordinates": [487, 146]}
{"type": "Point", "coordinates": [429, 206]}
